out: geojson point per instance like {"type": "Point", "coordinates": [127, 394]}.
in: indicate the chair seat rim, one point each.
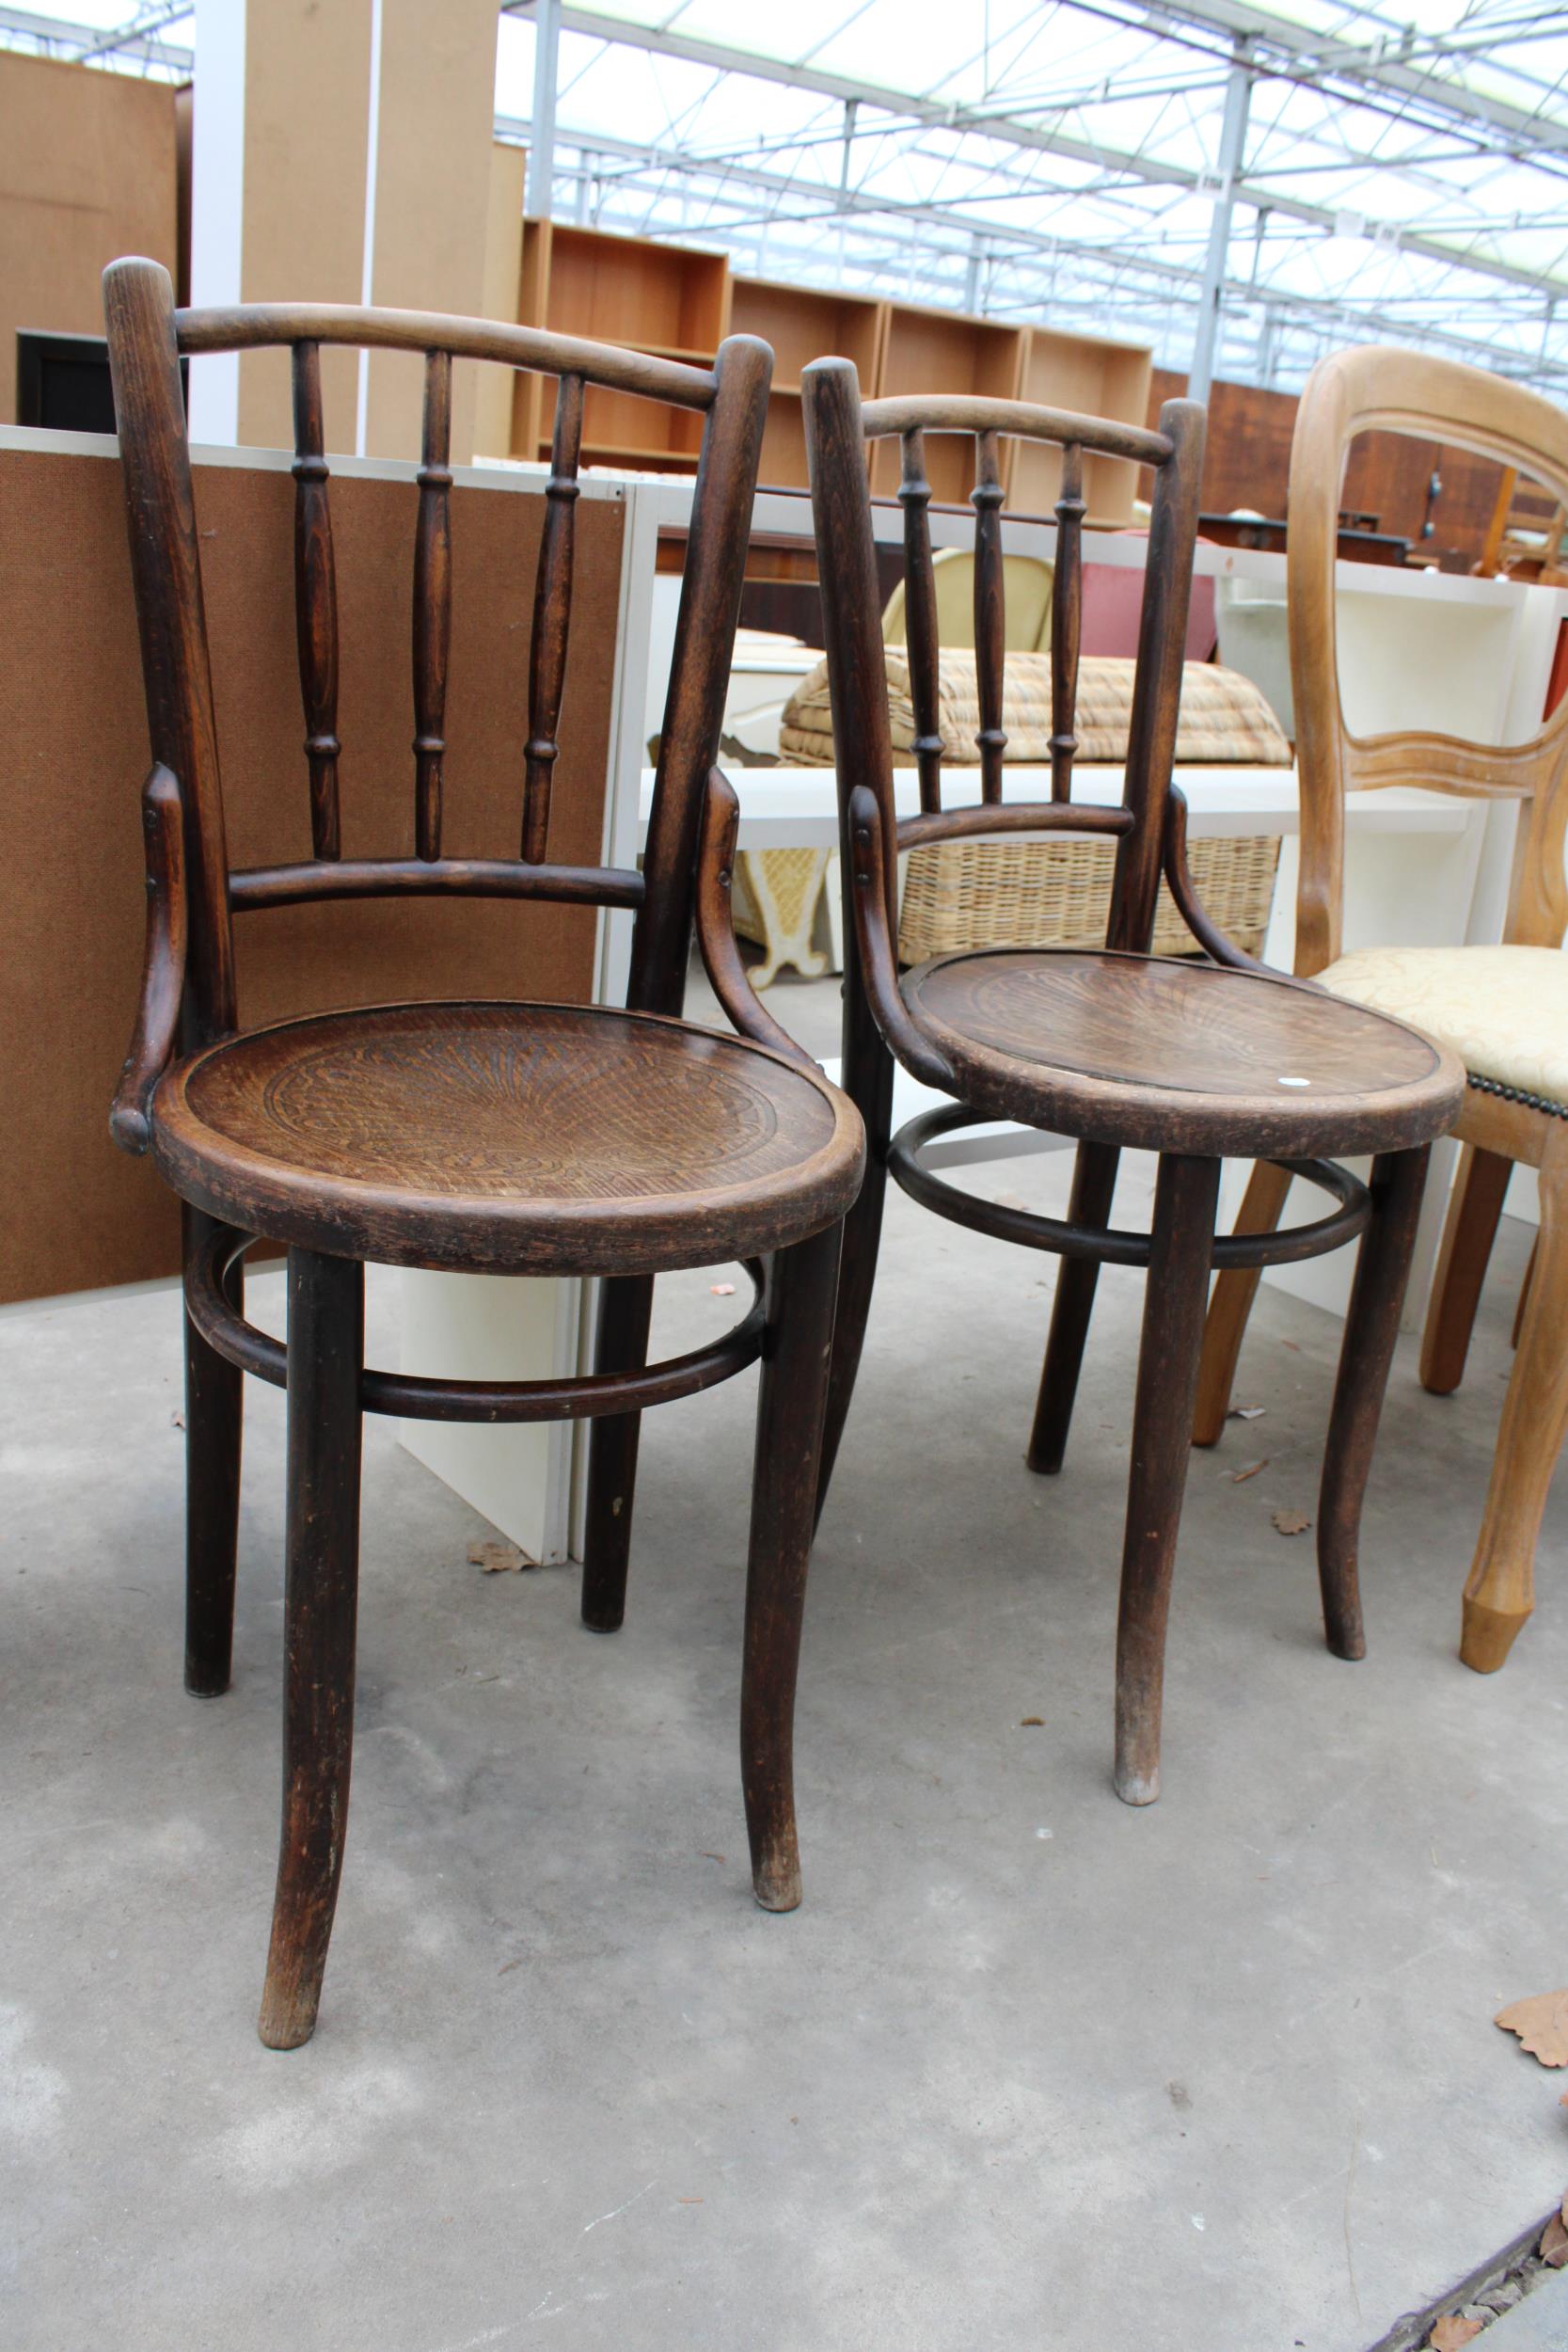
{"type": "Point", "coordinates": [1137, 1114]}
{"type": "Point", "coordinates": [479, 1232]}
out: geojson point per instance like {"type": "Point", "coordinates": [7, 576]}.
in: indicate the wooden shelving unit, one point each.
{"type": "Point", "coordinates": [1099, 379]}
{"type": "Point", "coordinates": [942, 351]}
{"type": "Point", "coordinates": [680, 302]}
{"type": "Point", "coordinates": [672, 301]}
{"type": "Point", "coordinates": [802, 323]}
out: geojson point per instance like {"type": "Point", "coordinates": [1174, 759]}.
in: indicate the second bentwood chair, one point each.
{"type": "Point", "coordinates": [1193, 1061]}
{"type": "Point", "coordinates": [477, 1137]}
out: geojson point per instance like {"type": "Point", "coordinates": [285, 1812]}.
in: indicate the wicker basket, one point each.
{"type": "Point", "coordinates": [1057, 893]}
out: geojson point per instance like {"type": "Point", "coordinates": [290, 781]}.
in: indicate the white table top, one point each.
{"type": "Point", "coordinates": [796, 807]}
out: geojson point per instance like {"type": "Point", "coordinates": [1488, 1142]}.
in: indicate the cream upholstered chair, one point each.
{"type": "Point", "coordinates": [1503, 1010]}
{"type": "Point", "coordinates": [1027, 582]}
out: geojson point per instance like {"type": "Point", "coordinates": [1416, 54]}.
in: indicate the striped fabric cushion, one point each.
{"type": "Point", "coordinates": [1225, 720]}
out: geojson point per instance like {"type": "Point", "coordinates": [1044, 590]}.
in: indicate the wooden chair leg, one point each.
{"type": "Point", "coordinates": [1523, 1299]}
{"type": "Point", "coordinates": [1470, 1229]}
{"type": "Point", "coordinates": [857, 1279]}
{"type": "Point", "coordinates": [1366, 1353]}
{"type": "Point", "coordinates": [802, 1289]}
{"type": "Point", "coordinates": [1094, 1183]}
{"type": "Point", "coordinates": [1230, 1306]}
{"type": "Point", "coordinates": [327, 1346]}
{"type": "Point", "coordinates": [1500, 1592]}
{"type": "Point", "coordinates": [626, 1317]}
{"type": "Point", "coordinates": [868, 1077]}
{"type": "Point", "coordinates": [1185, 1198]}
{"type": "Point", "coordinates": [214, 1415]}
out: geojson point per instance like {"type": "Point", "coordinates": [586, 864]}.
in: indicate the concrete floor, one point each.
{"type": "Point", "coordinates": [1028, 2068]}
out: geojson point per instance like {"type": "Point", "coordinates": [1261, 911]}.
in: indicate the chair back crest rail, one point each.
{"type": "Point", "coordinates": [1380, 388]}
{"type": "Point", "coordinates": [837, 428]}
{"type": "Point", "coordinates": [147, 337]}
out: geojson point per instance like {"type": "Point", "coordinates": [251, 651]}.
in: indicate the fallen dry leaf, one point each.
{"type": "Point", "coordinates": [722, 1289]}
{"type": "Point", "coordinates": [1246, 1412]}
{"type": "Point", "coordinates": [1554, 2240]}
{"type": "Point", "coordinates": [1452, 2331]}
{"type": "Point", "coordinates": [1540, 2024]}
{"type": "Point", "coordinates": [498, 1559]}
{"type": "Point", "coordinates": [1292, 1522]}
{"type": "Point", "coordinates": [1027, 1722]}
{"type": "Point", "coordinates": [1239, 1478]}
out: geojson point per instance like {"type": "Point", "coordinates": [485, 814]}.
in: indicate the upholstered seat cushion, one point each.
{"type": "Point", "coordinates": [1503, 1010]}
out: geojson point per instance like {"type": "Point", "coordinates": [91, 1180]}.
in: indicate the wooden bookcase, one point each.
{"type": "Point", "coordinates": [670, 300]}
{"type": "Point", "coordinates": [802, 323]}
{"type": "Point", "coordinates": [942, 351]}
{"type": "Point", "coordinates": [1098, 378]}
{"type": "Point", "coordinates": [680, 302]}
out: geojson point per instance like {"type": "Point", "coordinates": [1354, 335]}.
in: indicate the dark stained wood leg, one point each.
{"type": "Point", "coordinates": [326, 1345]}
{"type": "Point", "coordinates": [1366, 1353]}
{"type": "Point", "coordinates": [214, 1414]}
{"type": "Point", "coordinates": [1185, 1197]}
{"type": "Point", "coordinates": [1468, 1233]}
{"type": "Point", "coordinates": [802, 1295]}
{"type": "Point", "coordinates": [868, 1077]}
{"type": "Point", "coordinates": [1230, 1306]}
{"type": "Point", "coordinates": [626, 1317]}
{"type": "Point", "coordinates": [1094, 1181]}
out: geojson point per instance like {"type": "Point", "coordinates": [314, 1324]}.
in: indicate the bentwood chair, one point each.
{"type": "Point", "coordinates": [1503, 1009]}
{"type": "Point", "coordinates": [481, 1137]}
{"type": "Point", "coordinates": [1193, 1061]}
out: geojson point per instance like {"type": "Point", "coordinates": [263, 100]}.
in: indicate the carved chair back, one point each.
{"type": "Point", "coordinates": [837, 429]}
{"type": "Point", "coordinates": [1436, 400]}
{"type": "Point", "coordinates": [147, 337]}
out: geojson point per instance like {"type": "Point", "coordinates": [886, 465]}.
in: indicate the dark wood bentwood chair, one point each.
{"type": "Point", "coordinates": [489, 1138]}
{"type": "Point", "coordinates": [1193, 1061]}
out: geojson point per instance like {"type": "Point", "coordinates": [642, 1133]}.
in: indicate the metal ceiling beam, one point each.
{"type": "Point", "coordinates": [1349, 61]}
{"type": "Point", "coordinates": [1018, 245]}
{"type": "Point", "coordinates": [621, 33]}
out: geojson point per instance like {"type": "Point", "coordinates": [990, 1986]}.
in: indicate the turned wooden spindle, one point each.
{"type": "Point", "coordinates": [990, 626]}
{"type": "Point", "coordinates": [552, 613]}
{"type": "Point", "coordinates": [1066, 622]}
{"type": "Point", "coordinates": [431, 603]}
{"type": "Point", "coordinates": [315, 600]}
{"type": "Point", "coordinates": [920, 619]}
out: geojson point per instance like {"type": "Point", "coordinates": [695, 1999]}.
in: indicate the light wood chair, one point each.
{"type": "Point", "coordinates": [483, 1139]}
{"type": "Point", "coordinates": [1503, 1010]}
{"type": "Point", "coordinates": [1117, 1048]}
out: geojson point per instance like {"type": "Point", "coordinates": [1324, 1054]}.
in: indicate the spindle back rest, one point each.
{"type": "Point", "coordinates": [147, 337]}
{"type": "Point", "coordinates": [836, 426]}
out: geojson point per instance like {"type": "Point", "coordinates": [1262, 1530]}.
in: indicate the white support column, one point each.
{"type": "Point", "coordinates": [1238, 99]}
{"type": "Point", "coordinates": [217, 218]}
{"type": "Point", "coordinates": [546, 62]}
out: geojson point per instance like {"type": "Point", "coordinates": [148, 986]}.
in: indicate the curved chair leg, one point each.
{"type": "Point", "coordinates": [1470, 1229]}
{"type": "Point", "coordinates": [857, 1279]}
{"type": "Point", "coordinates": [326, 1350]}
{"type": "Point", "coordinates": [215, 1417]}
{"type": "Point", "coordinates": [1185, 1198]}
{"type": "Point", "coordinates": [1094, 1183]}
{"type": "Point", "coordinates": [626, 1316]}
{"type": "Point", "coordinates": [1229, 1308]}
{"type": "Point", "coordinates": [803, 1287]}
{"type": "Point", "coordinates": [1500, 1592]}
{"type": "Point", "coordinates": [867, 1075]}
{"type": "Point", "coordinates": [1366, 1353]}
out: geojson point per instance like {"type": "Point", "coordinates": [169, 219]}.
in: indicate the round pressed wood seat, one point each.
{"type": "Point", "coordinates": [1172, 1055]}
{"type": "Point", "coordinates": [508, 1138]}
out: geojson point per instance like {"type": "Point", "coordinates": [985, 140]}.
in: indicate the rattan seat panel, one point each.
{"type": "Point", "coordinates": [1112, 1045]}
{"type": "Point", "coordinates": [536, 1137]}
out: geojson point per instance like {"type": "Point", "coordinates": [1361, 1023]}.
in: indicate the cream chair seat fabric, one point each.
{"type": "Point", "coordinates": [1503, 1010]}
